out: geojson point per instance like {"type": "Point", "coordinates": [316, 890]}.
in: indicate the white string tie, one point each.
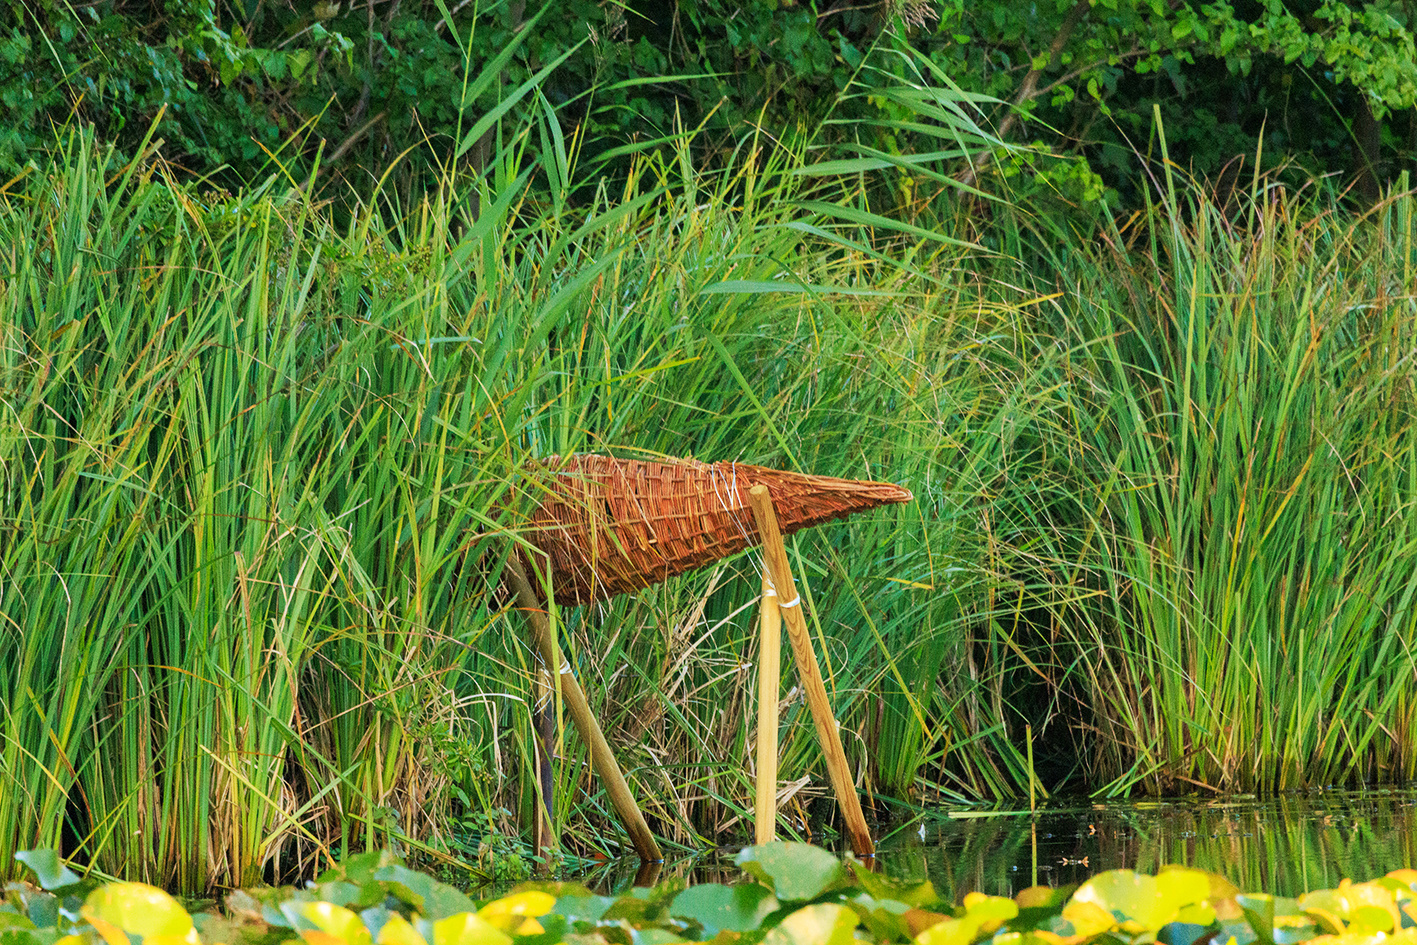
{"type": "Point", "coordinates": [792, 603]}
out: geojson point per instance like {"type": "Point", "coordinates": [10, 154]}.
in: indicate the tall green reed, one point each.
{"type": "Point", "coordinates": [262, 472]}
{"type": "Point", "coordinates": [1242, 382]}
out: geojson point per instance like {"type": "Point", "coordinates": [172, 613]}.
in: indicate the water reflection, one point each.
{"type": "Point", "coordinates": [1286, 846]}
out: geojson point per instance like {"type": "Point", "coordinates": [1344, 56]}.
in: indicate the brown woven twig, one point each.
{"type": "Point", "coordinates": [609, 526]}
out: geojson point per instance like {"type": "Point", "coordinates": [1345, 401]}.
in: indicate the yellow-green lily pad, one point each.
{"type": "Point", "coordinates": [1144, 903]}
{"type": "Point", "coordinates": [825, 923]}
{"type": "Point", "coordinates": [119, 910]}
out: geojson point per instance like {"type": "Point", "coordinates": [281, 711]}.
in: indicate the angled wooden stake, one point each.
{"type": "Point", "coordinates": [769, 684]}
{"type": "Point", "coordinates": [790, 605]}
{"type": "Point", "coordinates": [601, 758]}
{"type": "Point", "coordinates": [543, 723]}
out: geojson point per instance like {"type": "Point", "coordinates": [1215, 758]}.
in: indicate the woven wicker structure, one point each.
{"type": "Point", "coordinates": [610, 526]}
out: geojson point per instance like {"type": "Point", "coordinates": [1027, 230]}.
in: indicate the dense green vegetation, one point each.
{"type": "Point", "coordinates": [789, 894]}
{"type": "Point", "coordinates": [1329, 84]}
{"type": "Point", "coordinates": [263, 452]}
{"type": "Point", "coordinates": [261, 474]}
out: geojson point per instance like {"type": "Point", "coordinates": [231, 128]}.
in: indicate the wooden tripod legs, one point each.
{"type": "Point", "coordinates": [777, 610]}
{"type": "Point", "coordinates": [789, 605]}
{"type": "Point", "coordinates": [769, 682]}
{"type": "Point", "coordinates": [574, 698]}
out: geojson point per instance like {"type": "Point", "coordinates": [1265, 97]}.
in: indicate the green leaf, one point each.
{"type": "Point", "coordinates": [795, 871]}
{"type": "Point", "coordinates": [327, 919]}
{"type": "Point", "coordinates": [654, 936]}
{"type": "Point", "coordinates": [884, 918]}
{"type": "Point", "coordinates": [762, 287]}
{"type": "Point", "coordinates": [298, 60]}
{"type": "Point", "coordinates": [582, 908]}
{"type": "Point", "coordinates": [1148, 901]}
{"type": "Point", "coordinates": [1261, 910]}
{"type": "Point", "coordinates": [467, 928]}
{"type": "Point", "coordinates": [949, 932]}
{"type": "Point", "coordinates": [864, 218]}
{"type": "Point", "coordinates": [20, 937]}
{"type": "Point", "coordinates": [434, 899]}
{"type": "Point", "coordinates": [1181, 933]}
{"type": "Point", "coordinates": [716, 907]}
{"type": "Point", "coordinates": [921, 895]}
{"type": "Point", "coordinates": [825, 923]}
{"type": "Point", "coordinates": [49, 869]}
{"type": "Point", "coordinates": [138, 909]}
{"type": "Point", "coordinates": [358, 869]}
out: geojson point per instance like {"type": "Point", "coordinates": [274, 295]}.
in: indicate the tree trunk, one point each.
{"type": "Point", "coordinates": [1368, 138]}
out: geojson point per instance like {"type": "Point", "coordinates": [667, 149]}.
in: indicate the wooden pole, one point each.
{"type": "Point", "coordinates": [543, 719]}
{"type": "Point", "coordinates": [601, 757]}
{"type": "Point", "coordinates": [775, 555]}
{"type": "Point", "coordinates": [769, 684]}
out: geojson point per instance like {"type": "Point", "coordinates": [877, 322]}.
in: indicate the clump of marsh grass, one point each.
{"type": "Point", "coordinates": [261, 472]}
{"type": "Point", "coordinates": [1243, 386]}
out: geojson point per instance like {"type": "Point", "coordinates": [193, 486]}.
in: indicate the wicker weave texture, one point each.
{"type": "Point", "coordinates": [609, 526]}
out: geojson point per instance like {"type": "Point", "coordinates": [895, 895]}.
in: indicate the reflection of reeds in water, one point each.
{"type": "Point", "coordinates": [1287, 846]}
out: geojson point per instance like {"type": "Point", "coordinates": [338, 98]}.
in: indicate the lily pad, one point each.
{"type": "Point", "coordinates": [989, 911]}
{"type": "Point", "coordinates": [358, 869]}
{"type": "Point", "coordinates": [982, 916]}
{"type": "Point", "coordinates": [323, 923]}
{"type": "Point", "coordinates": [582, 906]}
{"type": "Point", "coordinates": [1181, 933]}
{"type": "Point", "coordinates": [884, 918]}
{"type": "Point", "coordinates": [716, 907]}
{"type": "Point", "coordinates": [518, 912]}
{"type": "Point", "coordinates": [434, 899]}
{"type": "Point", "coordinates": [397, 930]}
{"type": "Point", "coordinates": [1084, 919]}
{"type": "Point", "coordinates": [825, 923]}
{"type": "Point", "coordinates": [921, 895]}
{"type": "Point", "coordinates": [795, 871]}
{"type": "Point", "coordinates": [467, 928]}
{"type": "Point", "coordinates": [119, 910]}
{"type": "Point", "coordinates": [1144, 903]}
{"type": "Point", "coordinates": [656, 937]}
{"type": "Point", "coordinates": [1261, 910]}
{"type": "Point", "coordinates": [17, 936]}
{"type": "Point", "coordinates": [48, 868]}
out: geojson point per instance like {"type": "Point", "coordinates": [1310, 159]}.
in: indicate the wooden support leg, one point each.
{"type": "Point", "coordinates": [769, 684]}
{"type": "Point", "coordinates": [601, 758]}
{"type": "Point", "coordinates": [543, 718]}
{"type": "Point", "coordinates": [790, 605]}
{"type": "Point", "coordinates": [648, 873]}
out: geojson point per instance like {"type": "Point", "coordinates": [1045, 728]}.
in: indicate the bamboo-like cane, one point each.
{"type": "Point", "coordinates": [790, 605]}
{"type": "Point", "coordinates": [769, 683]}
{"type": "Point", "coordinates": [601, 757]}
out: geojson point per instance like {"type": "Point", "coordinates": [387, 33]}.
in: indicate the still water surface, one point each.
{"type": "Point", "coordinates": [1286, 845]}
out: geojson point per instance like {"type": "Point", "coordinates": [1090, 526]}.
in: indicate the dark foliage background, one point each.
{"type": "Point", "coordinates": [1329, 86]}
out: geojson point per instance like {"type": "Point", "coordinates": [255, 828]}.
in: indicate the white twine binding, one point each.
{"type": "Point", "coordinates": [792, 603]}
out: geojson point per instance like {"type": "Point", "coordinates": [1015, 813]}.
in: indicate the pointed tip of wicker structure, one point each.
{"type": "Point", "coordinates": [609, 526]}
